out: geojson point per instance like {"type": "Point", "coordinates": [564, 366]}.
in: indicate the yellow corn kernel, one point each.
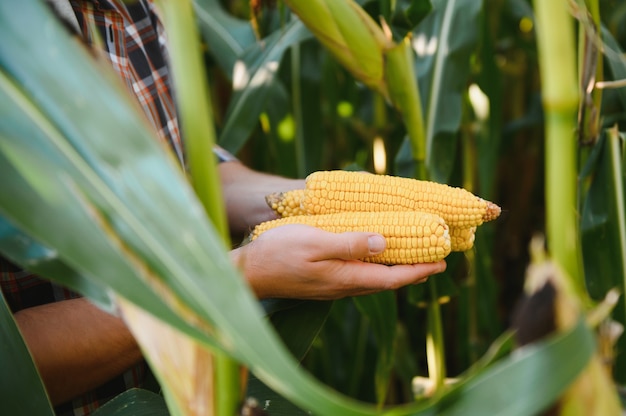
{"type": "Point", "coordinates": [286, 204]}
{"type": "Point", "coordinates": [412, 237]}
{"type": "Point", "coordinates": [462, 239]}
{"type": "Point", "coordinates": [368, 192]}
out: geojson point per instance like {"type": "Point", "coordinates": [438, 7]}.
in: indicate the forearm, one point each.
{"type": "Point", "coordinates": [244, 192]}
{"type": "Point", "coordinates": [76, 346]}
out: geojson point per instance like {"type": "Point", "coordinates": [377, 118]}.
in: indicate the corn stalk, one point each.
{"type": "Point", "coordinates": [557, 65]}
{"type": "Point", "coordinates": [203, 382]}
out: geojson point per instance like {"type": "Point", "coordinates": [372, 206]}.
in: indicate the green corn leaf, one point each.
{"type": "Point", "coordinates": [20, 248]}
{"type": "Point", "coordinates": [252, 82]}
{"type": "Point", "coordinates": [21, 389]}
{"type": "Point", "coordinates": [603, 228]}
{"type": "Point", "coordinates": [25, 142]}
{"type": "Point", "coordinates": [226, 36]}
{"type": "Point", "coordinates": [504, 388]}
{"type": "Point", "coordinates": [616, 62]}
{"type": "Point", "coordinates": [381, 312]}
{"type": "Point", "coordinates": [134, 402]}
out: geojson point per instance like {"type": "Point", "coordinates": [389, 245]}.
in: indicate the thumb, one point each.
{"type": "Point", "coordinates": [356, 245]}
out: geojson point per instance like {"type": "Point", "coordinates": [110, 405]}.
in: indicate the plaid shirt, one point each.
{"type": "Point", "coordinates": [136, 47]}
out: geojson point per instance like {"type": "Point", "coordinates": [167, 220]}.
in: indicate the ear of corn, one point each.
{"type": "Point", "coordinates": [329, 194]}
{"type": "Point", "coordinates": [340, 191]}
{"type": "Point", "coordinates": [462, 239]}
{"type": "Point", "coordinates": [412, 237]}
{"type": "Point", "coordinates": [350, 34]}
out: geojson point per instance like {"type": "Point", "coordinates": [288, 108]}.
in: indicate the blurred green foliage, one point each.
{"type": "Point", "coordinates": [489, 138]}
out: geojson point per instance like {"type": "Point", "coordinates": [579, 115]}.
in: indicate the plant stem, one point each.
{"type": "Point", "coordinates": [196, 118]}
{"type": "Point", "coordinates": [469, 179]}
{"type": "Point", "coordinates": [594, 9]}
{"type": "Point", "coordinates": [435, 353]}
{"type": "Point", "coordinates": [404, 94]}
{"type": "Point", "coordinates": [296, 94]}
{"type": "Point", "coordinates": [557, 65]}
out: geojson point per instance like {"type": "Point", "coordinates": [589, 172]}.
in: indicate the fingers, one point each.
{"type": "Point", "coordinates": [323, 265]}
{"type": "Point", "coordinates": [372, 278]}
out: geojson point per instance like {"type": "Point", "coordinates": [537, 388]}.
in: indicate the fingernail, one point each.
{"type": "Point", "coordinates": [376, 244]}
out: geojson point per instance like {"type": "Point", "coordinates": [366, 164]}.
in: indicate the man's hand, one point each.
{"type": "Point", "coordinates": [298, 261]}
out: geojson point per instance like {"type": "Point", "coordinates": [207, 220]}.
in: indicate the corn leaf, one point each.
{"type": "Point", "coordinates": [226, 36]}
{"type": "Point", "coordinates": [495, 394]}
{"type": "Point", "coordinates": [300, 321]}
{"type": "Point", "coordinates": [21, 389]}
{"type": "Point", "coordinates": [134, 402]}
{"type": "Point", "coordinates": [38, 158]}
{"type": "Point", "coordinates": [381, 311]}
{"type": "Point", "coordinates": [21, 248]}
{"type": "Point", "coordinates": [616, 62]}
{"type": "Point", "coordinates": [603, 228]}
{"type": "Point", "coordinates": [254, 75]}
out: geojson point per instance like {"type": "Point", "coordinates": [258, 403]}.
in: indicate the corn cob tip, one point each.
{"type": "Point", "coordinates": [286, 204]}
{"type": "Point", "coordinates": [492, 212]}
{"type": "Point", "coordinates": [273, 199]}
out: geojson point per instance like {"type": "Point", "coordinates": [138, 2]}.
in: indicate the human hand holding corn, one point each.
{"type": "Point", "coordinates": [422, 221]}
{"type": "Point", "coordinates": [299, 261]}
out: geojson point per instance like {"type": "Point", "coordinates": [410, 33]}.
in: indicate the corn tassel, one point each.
{"type": "Point", "coordinates": [412, 237]}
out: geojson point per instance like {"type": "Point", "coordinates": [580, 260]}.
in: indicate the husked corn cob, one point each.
{"type": "Point", "coordinates": [462, 239]}
{"type": "Point", "coordinates": [341, 191]}
{"type": "Point", "coordinates": [287, 204]}
{"type": "Point", "coordinates": [412, 237]}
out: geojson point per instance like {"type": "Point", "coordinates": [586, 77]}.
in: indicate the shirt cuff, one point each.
{"type": "Point", "coordinates": [223, 155]}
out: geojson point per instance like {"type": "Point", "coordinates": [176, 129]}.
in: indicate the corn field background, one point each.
{"type": "Point", "coordinates": [284, 103]}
